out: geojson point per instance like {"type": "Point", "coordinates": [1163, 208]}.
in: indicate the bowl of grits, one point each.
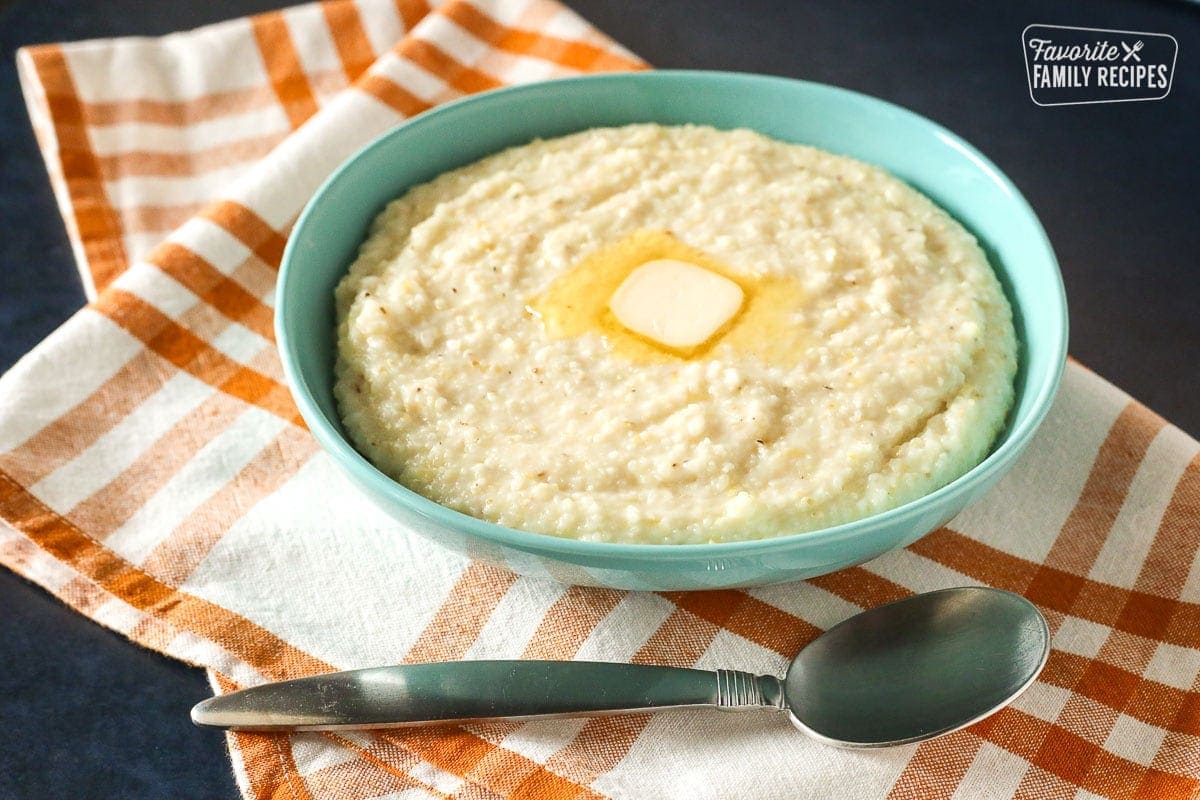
{"type": "Point", "coordinates": [671, 330]}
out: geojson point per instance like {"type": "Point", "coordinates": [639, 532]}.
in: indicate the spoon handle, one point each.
{"type": "Point", "coordinates": [465, 691]}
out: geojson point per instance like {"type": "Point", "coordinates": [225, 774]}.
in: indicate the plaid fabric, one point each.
{"type": "Point", "coordinates": [155, 476]}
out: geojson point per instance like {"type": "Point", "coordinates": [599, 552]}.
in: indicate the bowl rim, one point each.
{"type": "Point", "coordinates": [349, 458]}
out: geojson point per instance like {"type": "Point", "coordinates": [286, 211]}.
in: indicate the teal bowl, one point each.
{"type": "Point", "coordinates": [929, 157]}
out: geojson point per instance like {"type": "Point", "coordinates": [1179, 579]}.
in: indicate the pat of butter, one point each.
{"type": "Point", "coordinates": [675, 303]}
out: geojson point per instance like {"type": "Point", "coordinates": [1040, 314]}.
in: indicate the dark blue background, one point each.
{"type": "Point", "coordinates": [87, 714]}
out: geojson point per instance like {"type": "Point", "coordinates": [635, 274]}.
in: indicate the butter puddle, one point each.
{"type": "Point", "coordinates": [576, 303]}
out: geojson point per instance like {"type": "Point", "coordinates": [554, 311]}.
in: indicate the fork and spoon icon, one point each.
{"type": "Point", "coordinates": [1132, 51]}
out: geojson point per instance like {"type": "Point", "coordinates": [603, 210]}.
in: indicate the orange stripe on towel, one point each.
{"type": "Point", "coordinates": [462, 77]}
{"type": "Point", "coordinates": [284, 68]}
{"type": "Point", "coordinates": [96, 222]}
{"type": "Point", "coordinates": [220, 291]}
{"type": "Point", "coordinates": [349, 37]}
{"type": "Point", "coordinates": [189, 352]}
{"type": "Point", "coordinates": [564, 52]}
{"type": "Point", "coordinates": [248, 228]}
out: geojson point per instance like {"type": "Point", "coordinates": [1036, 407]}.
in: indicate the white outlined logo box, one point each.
{"type": "Point", "coordinates": [1067, 65]}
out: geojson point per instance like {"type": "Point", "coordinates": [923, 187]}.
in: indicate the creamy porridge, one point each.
{"type": "Point", "coordinates": [482, 363]}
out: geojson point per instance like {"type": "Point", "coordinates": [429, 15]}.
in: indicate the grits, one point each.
{"type": "Point", "coordinates": [474, 367]}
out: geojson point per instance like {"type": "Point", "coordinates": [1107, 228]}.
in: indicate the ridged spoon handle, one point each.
{"type": "Point", "coordinates": [465, 691]}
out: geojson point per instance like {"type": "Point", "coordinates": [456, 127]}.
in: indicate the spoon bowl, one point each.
{"type": "Point", "coordinates": [917, 668]}
{"type": "Point", "coordinates": [899, 673]}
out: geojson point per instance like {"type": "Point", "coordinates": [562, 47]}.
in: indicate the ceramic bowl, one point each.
{"type": "Point", "coordinates": [927, 156]}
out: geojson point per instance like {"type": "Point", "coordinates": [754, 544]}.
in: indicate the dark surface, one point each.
{"type": "Point", "coordinates": [86, 714]}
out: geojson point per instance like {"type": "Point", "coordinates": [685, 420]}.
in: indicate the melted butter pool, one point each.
{"type": "Point", "coordinates": [576, 303]}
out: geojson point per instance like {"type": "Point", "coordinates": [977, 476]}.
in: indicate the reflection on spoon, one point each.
{"type": "Point", "coordinates": [899, 673]}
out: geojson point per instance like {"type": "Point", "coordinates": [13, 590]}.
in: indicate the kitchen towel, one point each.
{"type": "Point", "coordinates": [155, 476]}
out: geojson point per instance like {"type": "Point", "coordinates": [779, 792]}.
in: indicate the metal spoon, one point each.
{"type": "Point", "coordinates": [899, 673]}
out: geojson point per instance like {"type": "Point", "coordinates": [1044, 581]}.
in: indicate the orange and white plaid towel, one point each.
{"type": "Point", "coordinates": [154, 475]}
